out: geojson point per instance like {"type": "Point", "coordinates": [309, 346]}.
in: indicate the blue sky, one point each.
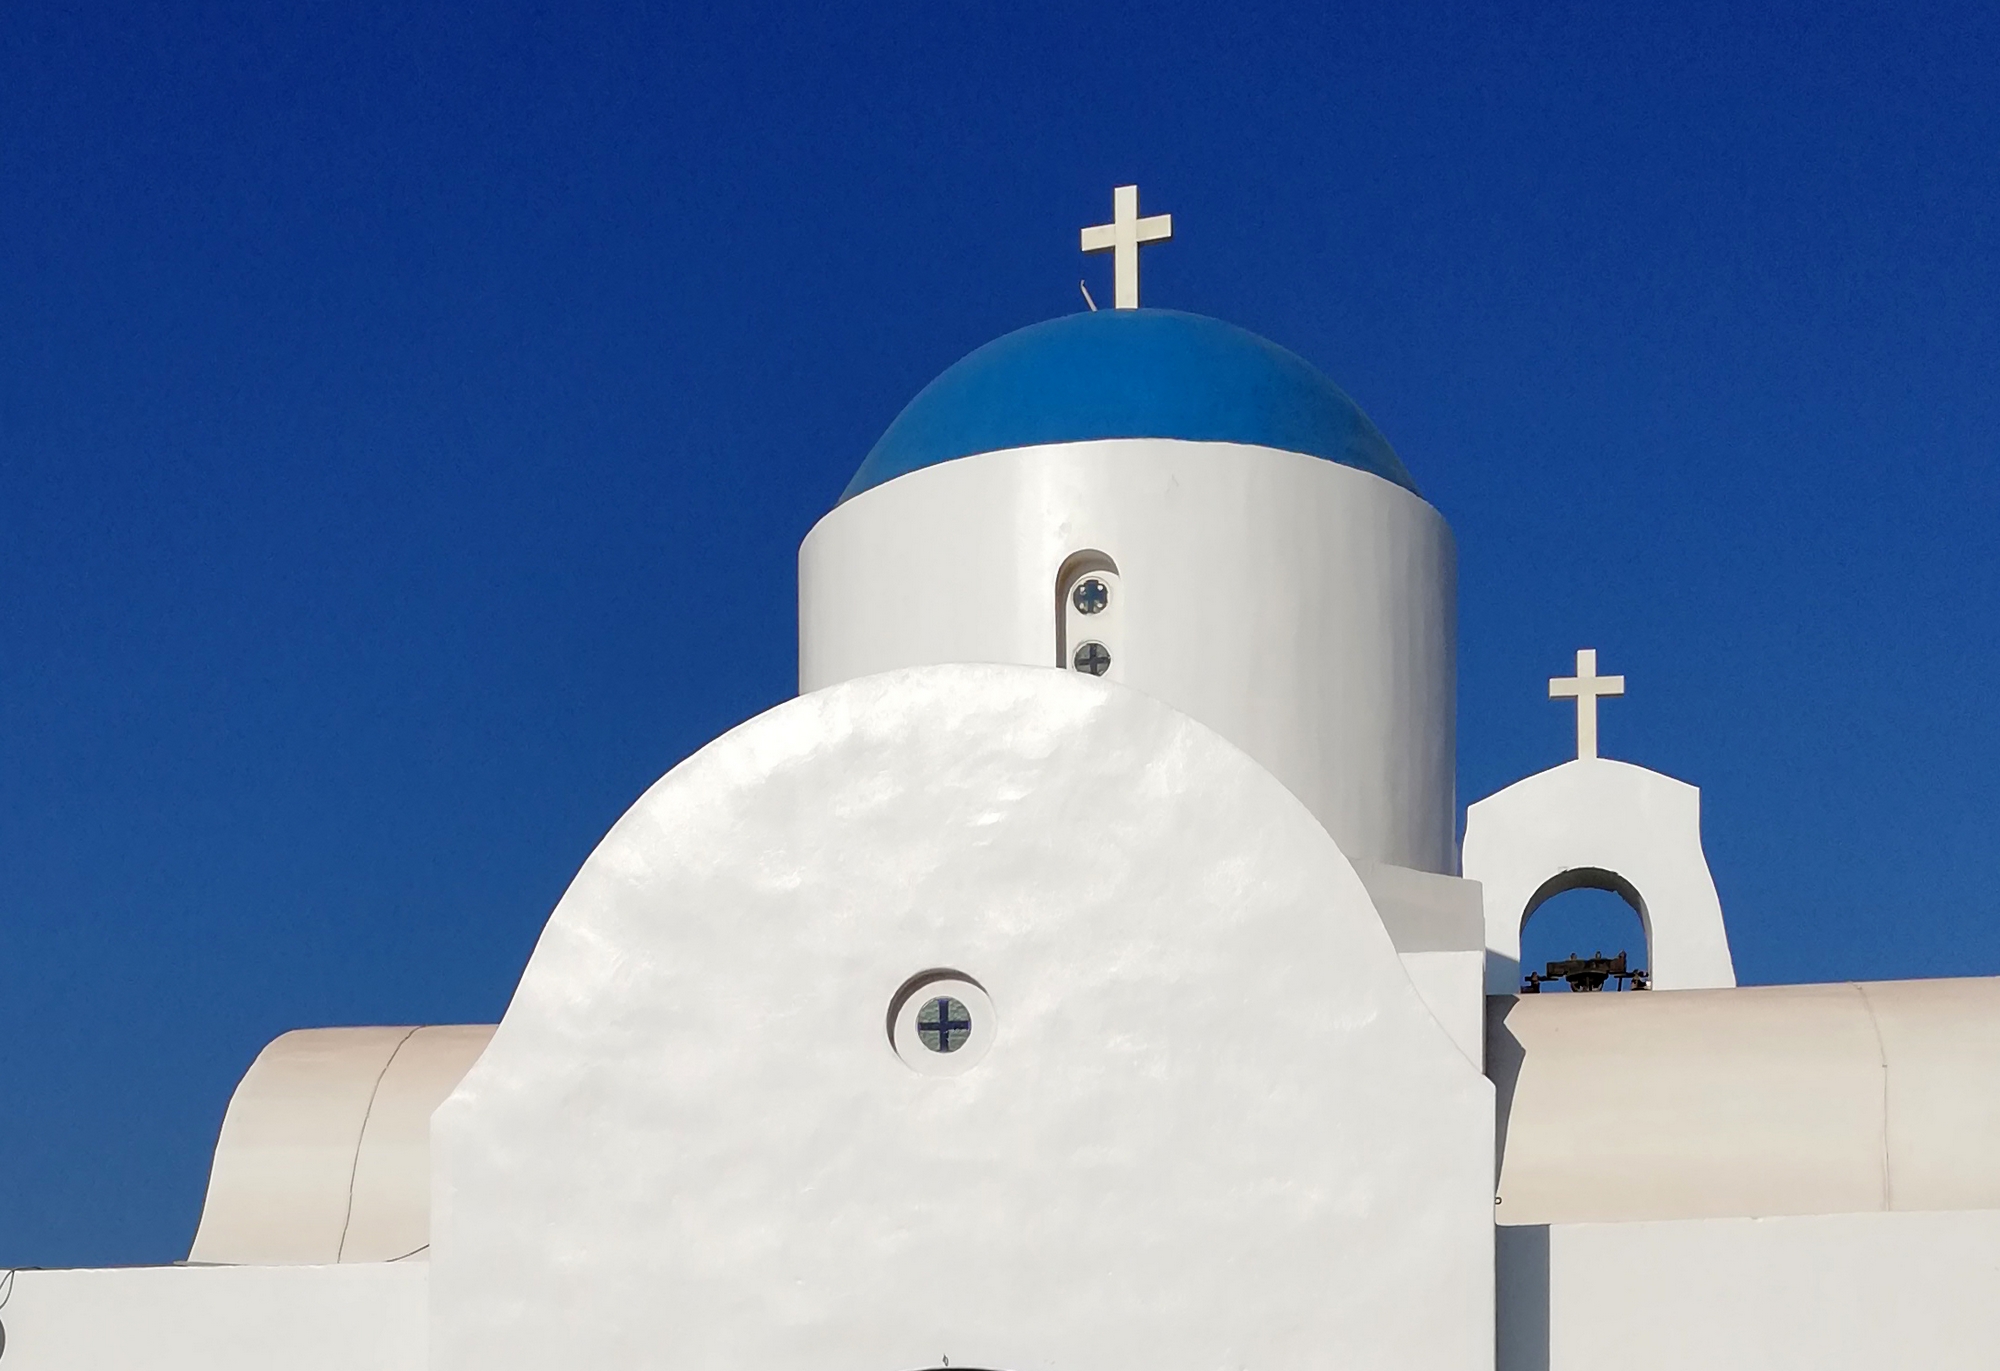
{"type": "Point", "coordinates": [409, 414]}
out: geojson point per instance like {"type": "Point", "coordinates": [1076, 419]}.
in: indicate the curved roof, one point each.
{"type": "Point", "coordinates": [325, 1151]}
{"type": "Point", "coordinates": [1756, 1101]}
{"type": "Point", "coordinates": [1145, 373]}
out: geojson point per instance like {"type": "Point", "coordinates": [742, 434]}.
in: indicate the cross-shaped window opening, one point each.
{"type": "Point", "coordinates": [943, 1024]}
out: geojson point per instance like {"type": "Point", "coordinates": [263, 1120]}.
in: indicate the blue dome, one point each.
{"type": "Point", "coordinates": [1129, 373]}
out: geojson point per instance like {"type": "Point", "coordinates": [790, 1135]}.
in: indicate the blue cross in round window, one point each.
{"type": "Point", "coordinates": [1090, 596]}
{"type": "Point", "coordinates": [943, 1024]}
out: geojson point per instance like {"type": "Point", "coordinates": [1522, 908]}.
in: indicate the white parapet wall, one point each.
{"type": "Point", "coordinates": [219, 1318]}
{"type": "Point", "coordinates": [1437, 925]}
{"type": "Point", "coordinates": [1830, 1292]}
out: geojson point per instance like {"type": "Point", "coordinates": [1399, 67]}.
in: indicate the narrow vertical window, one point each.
{"type": "Point", "coordinates": [1089, 615]}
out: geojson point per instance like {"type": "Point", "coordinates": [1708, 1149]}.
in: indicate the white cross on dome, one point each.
{"type": "Point", "coordinates": [1121, 238]}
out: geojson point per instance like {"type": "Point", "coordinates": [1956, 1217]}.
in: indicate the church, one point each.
{"type": "Point", "coordinates": [1089, 971]}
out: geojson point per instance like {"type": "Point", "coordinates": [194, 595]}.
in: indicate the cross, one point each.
{"type": "Point", "coordinates": [1586, 686]}
{"type": "Point", "coordinates": [1093, 659]}
{"type": "Point", "coordinates": [938, 1021]}
{"type": "Point", "coordinates": [1121, 237]}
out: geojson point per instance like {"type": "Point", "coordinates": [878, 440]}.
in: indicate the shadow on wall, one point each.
{"type": "Point", "coordinates": [1504, 1055]}
{"type": "Point", "coordinates": [1521, 1297]}
{"type": "Point", "coordinates": [1520, 1253]}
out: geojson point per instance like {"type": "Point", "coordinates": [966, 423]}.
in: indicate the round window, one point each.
{"type": "Point", "coordinates": [941, 1022]}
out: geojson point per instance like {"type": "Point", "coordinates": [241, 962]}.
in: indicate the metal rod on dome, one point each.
{"type": "Point", "coordinates": [1086, 296]}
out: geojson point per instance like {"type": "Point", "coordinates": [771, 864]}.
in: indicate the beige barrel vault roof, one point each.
{"type": "Point", "coordinates": [325, 1151]}
{"type": "Point", "coordinates": [1747, 1102]}
{"type": "Point", "coordinates": [1755, 1101]}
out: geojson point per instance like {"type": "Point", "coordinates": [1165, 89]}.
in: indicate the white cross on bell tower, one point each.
{"type": "Point", "coordinates": [1586, 686]}
{"type": "Point", "coordinates": [1122, 237]}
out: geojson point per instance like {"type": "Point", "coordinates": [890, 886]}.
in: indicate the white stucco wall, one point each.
{"type": "Point", "coordinates": [1214, 1124]}
{"type": "Point", "coordinates": [1840, 1292]}
{"type": "Point", "coordinates": [1302, 609]}
{"type": "Point", "coordinates": [1437, 925]}
{"type": "Point", "coordinates": [1572, 824]}
{"type": "Point", "coordinates": [219, 1318]}
{"type": "Point", "coordinates": [1451, 985]}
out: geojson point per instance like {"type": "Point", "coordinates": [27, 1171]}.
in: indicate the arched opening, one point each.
{"type": "Point", "coordinates": [1585, 930]}
{"type": "Point", "coordinates": [1089, 612]}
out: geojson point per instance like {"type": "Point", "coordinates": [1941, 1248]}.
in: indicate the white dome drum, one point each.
{"type": "Point", "coordinates": [1248, 548]}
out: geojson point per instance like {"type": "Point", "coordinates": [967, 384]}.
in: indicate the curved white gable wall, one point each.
{"type": "Point", "coordinates": [1599, 815]}
{"type": "Point", "coordinates": [1303, 609]}
{"type": "Point", "coordinates": [1216, 1126]}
